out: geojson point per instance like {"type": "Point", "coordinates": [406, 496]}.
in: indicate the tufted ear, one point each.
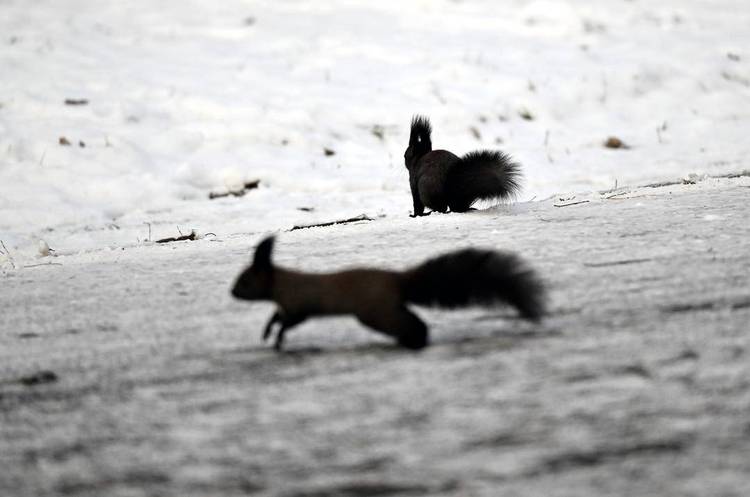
{"type": "Point", "coordinates": [421, 129]}
{"type": "Point", "coordinates": [262, 258]}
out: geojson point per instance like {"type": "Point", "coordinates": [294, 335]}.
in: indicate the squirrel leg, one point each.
{"type": "Point", "coordinates": [275, 318]}
{"type": "Point", "coordinates": [287, 322]}
{"type": "Point", "coordinates": [402, 324]}
{"type": "Point", "coordinates": [418, 205]}
{"type": "Point", "coordinates": [418, 208]}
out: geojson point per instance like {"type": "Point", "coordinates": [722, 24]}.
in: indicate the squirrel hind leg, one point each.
{"type": "Point", "coordinates": [435, 201]}
{"type": "Point", "coordinates": [431, 194]}
{"type": "Point", "coordinates": [402, 324]}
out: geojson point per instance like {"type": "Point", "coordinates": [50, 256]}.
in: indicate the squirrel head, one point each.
{"type": "Point", "coordinates": [255, 282]}
{"type": "Point", "coordinates": [419, 140]}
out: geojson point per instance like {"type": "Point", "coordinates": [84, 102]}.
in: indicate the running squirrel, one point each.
{"type": "Point", "coordinates": [378, 298]}
{"type": "Point", "coordinates": [441, 180]}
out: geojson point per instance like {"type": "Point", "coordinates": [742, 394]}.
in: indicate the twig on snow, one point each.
{"type": "Point", "coordinates": [192, 236]}
{"type": "Point", "coordinates": [362, 217]}
{"type": "Point", "coordinates": [572, 203]}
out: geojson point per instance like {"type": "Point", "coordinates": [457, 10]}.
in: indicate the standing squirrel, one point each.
{"type": "Point", "coordinates": [441, 180]}
{"type": "Point", "coordinates": [378, 298]}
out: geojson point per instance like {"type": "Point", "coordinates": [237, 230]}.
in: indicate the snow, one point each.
{"type": "Point", "coordinates": [165, 388]}
{"type": "Point", "coordinates": [190, 97]}
{"type": "Point", "coordinates": [127, 369]}
{"type": "Point", "coordinates": [636, 382]}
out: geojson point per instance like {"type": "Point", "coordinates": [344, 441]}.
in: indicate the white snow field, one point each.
{"type": "Point", "coordinates": [126, 369]}
{"type": "Point", "coordinates": [186, 97]}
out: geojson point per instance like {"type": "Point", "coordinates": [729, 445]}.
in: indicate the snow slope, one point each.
{"type": "Point", "coordinates": [188, 97]}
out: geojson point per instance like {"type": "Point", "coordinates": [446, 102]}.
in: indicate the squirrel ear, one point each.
{"type": "Point", "coordinates": [262, 258]}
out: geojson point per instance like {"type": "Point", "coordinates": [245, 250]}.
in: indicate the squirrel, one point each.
{"type": "Point", "coordinates": [441, 180]}
{"type": "Point", "coordinates": [378, 298]}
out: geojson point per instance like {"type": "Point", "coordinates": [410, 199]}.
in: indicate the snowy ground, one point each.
{"type": "Point", "coordinates": [186, 97]}
{"type": "Point", "coordinates": [637, 383]}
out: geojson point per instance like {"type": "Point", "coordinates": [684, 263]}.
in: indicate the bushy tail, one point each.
{"type": "Point", "coordinates": [473, 276]}
{"type": "Point", "coordinates": [482, 175]}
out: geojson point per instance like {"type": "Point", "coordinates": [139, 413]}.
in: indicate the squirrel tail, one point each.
{"type": "Point", "coordinates": [473, 276]}
{"type": "Point", "coordinates": [482, 175]}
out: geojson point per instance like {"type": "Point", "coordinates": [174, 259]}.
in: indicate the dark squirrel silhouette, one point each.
{"type": "Point", "coordinates": [441, 180]}
{"type": "Point", "coordinates": [378, 298]}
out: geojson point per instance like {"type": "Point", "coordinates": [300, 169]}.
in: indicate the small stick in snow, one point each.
{"type": "Point", "coordinates": [192, 236]}
{"type": "Point", "coordinates": [614, 187]}
{"type": "Point", "coordinates": [571, 203]}
{"type": "Point", "coordinates": [362, 217]}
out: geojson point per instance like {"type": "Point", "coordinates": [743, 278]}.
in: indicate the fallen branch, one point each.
{"type": "Point", "coordinates": [44, 264]}
{"type": "Point", "coordinates": [192, 236]}
{"type": "Point", "coordinates": [572, 203]}
{"type": "Point", "coordinates": [250, 185]}
{"type": "Point", "coordinates": [361, 217]}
